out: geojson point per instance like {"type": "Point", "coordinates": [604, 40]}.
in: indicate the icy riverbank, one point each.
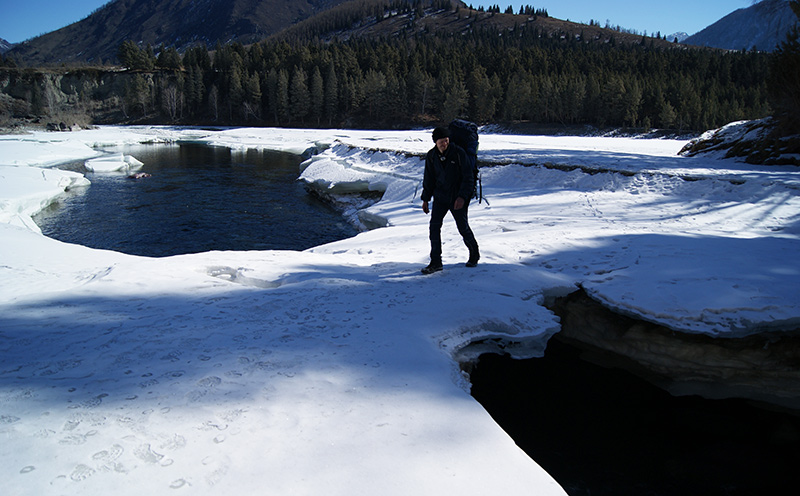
{"type": "Point", "coordinates": [334, 370]}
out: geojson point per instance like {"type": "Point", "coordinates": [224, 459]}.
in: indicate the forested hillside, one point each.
{"type": "Point", "coordinates": [176, 23]}
{"type": "Point", "coordinates": [487, 75]}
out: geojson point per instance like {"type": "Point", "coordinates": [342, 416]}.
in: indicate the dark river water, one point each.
{"type": "Point", "coordinates": [197, 198]}
{"type": "Point", "coordinates": [605, 432]}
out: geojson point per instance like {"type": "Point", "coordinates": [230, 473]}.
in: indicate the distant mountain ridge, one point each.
{"type": "Point", "coordinates": [177, 23]}
{"type": "Point", "coordinates": [761, 26]}
{"type": "Point", "coordinates": [5, 46]}
{"type": "Point", "coordinates": [680, 36]}
{"type": "Point", "coordinates": [182, 23]}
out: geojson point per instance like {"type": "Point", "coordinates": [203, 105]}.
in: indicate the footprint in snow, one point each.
{"type": "Point", "coordinates": [146, 454]}
{"type": "Point", "coordinates": [81, 473]}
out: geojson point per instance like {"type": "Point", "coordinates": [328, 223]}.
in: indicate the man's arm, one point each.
{"type": "Point", "coordinates": [428, 183]}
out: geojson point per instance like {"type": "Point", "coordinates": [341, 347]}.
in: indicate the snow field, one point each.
{"type": "Point", "coordinates": [334, 370]}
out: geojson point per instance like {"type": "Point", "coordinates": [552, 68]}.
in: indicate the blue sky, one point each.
{"type": "Point", "coordinates": [23, 19]}
{"type": "Point", "coordinates": [664, 16]}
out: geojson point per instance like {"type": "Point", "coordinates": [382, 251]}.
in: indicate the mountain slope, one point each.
{"type": "Point", "coordinates": [180, 23]}
{"type": "Point", "coordinates": [761, 26]}
{"type": "Point", "coordinates": [176, 23]}
{"type": "Point", "coordinates": [4, 46]}
{"type": "Point", "coordinates": [346, 21]}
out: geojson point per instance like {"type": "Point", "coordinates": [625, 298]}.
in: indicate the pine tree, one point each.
{"type": "Point", "coordinates": [482, 102]}
{"type": "Point", "coordinates": [455, 101]}
{"type": "Point", "coordinates": [317, 95]}
{"type": "Point", "coordinates": [138, 93]}
{"type": "Point", "coordinates": [420, 90]}
{"type": "Point", "coordinates": [631, 103]}
{"type": "Point", "coordinates": [299, 95]}
{"type": "Point", "coordinates": [784, 78]}
{"type": "Point", "coordinates": [235, 92]}
{"type": "Point", "coordinates": [270, 92]}
{"type": "Point", "coordinates": [128, 53]}
{"type": "Point", "coordinates": [283, 105]}
{"type": "Point", "coordinates": [147, 59]}
{"type": "Point", "coordinates": [518, 97]}
{"type": "Point", "coordinates": [331, 94]}
{"type": "Point", "coordinates": [168, 58]}
{"type": "Point", "coordinates": [667, 116]}
{"type": "Point", "coordinates": [374, 93]}
{"type": "Point", "coordinates": [252, 98]}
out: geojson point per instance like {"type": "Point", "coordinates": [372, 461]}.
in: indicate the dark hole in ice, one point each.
{"type": "Point", "coordinates": [602, 431]}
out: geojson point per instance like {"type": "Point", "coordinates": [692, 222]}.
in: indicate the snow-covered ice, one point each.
{"type": "Point", "coordinates": [334, 370]}
{"type": "Point", "coordinates": [117, 162]}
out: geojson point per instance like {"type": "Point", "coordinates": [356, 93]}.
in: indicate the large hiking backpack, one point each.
{"type": "Point", "coordinates": [465, 134]}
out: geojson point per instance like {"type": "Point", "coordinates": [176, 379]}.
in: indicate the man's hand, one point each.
{"type": "Point", "coordinates": [425, 207]}
{"type": "Point", "coordinates": [459, 204]}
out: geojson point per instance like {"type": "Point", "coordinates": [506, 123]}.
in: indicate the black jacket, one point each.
{"type": "Point", "coordinates": [447, 177]}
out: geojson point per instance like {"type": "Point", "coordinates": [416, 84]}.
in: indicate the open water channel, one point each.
{"type": "Point", "coordinates": [597, 431]}
{"type": "Point", "coordinates": [198, 198]}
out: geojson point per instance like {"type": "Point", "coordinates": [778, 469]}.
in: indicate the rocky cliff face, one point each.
{"type": "Point", "coordinates": [67, 86]}
{"type": "Point", "coordinates": [80, 97]}
{"type": "Point", "coordinates": [764, 367]}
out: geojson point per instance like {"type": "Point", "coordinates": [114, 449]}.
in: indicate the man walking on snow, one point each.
{"type": "Point", "coordinates": [450, 182]}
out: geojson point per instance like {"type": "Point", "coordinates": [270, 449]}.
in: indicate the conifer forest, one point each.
{"type": "Point", "coordinates": [484, 75]}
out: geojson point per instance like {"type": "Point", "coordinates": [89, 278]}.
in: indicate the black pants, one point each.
{"type": "Point", "coordinates": [438, 212]}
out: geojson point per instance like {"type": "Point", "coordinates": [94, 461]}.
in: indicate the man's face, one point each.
{"type": "Point", "coordinates": [442, 144]}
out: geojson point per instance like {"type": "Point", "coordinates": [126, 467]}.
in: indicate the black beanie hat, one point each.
{"type": "Point", "coordinates": [440, 132]}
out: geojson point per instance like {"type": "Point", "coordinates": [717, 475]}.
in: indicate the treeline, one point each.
{"type": "Point", "coordinates": [523, 10]}
{"type": "Point", "coordinates": [483, 76]}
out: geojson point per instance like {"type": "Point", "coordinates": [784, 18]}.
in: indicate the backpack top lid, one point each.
{"type": "Point", "coordinates": [464, 134]}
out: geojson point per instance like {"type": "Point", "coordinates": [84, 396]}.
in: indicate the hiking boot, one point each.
{"type": "Point", "coordinates": [474, 254]}
{"type": "Point", "coordinates": [432, 267]}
